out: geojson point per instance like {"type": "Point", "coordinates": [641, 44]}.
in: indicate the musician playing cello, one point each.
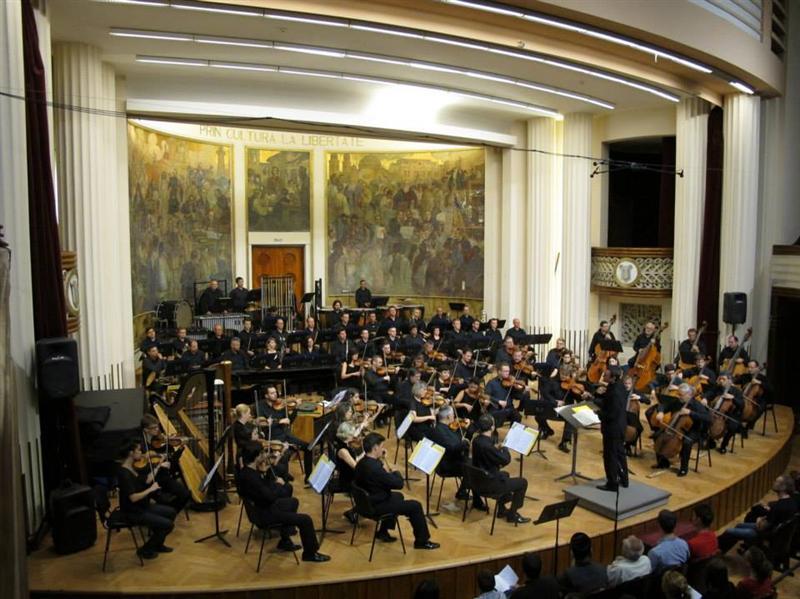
{"type": "Point", "coordinates": [601, 334]}
{"type": "Point", "coordinates": [715, 396]}
{"type": "Point", "coordinates": [668, 412]}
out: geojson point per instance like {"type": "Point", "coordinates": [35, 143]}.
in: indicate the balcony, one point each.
{"type": "Point", "coordinates": [632, 272]}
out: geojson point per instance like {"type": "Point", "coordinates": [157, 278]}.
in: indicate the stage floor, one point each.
{"type": "Point", "coordinates": [211, 567]}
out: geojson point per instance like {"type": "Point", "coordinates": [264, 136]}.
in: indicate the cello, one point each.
{"type": "Point", "coordinates": [751, 393]}
{"type": "Point", "coordinates": [647, 361]}
{"type": "Point", "coordinates": [669, 443]}
{"type": "Point", "coordinates": [598, 367]}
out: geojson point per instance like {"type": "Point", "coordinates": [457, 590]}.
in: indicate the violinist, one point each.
{"type": "Point", "coordinates": [666, 415]}
{"type": "Point", "coordinates": [424, 411]}
{"type": "Point", "coordinates": [500, 391]}
{"type": "Point", "coordinates": [364, 345]}
{"type": "Point", "coordinates": [468, 405]}
{"type": "Point", "coordinates": [573, 392]}
{"type": "Point", "coordinates": [492, 457]}
{"type": "Point", "coordinates": [404, 394]}
{"type": "Point", "coordinates": [601, 334]}
{"type": "Point", "coordinates": [363, 295]}
{"type": "Point", "coordinates": [506, 352]}
{"type": "Point", "coordinates": [340, 349]}
{"type": "Point", "coordinates": [516, 332]}
{"type": "Point", "coordinates": [275, 504]}
{"type": "Point", "coordinates": [193, 358]}
{"type": "Point", "coordinates": [645, 338]}
{"type": "Point", "coordinates": [351, 371]}
{"type": "Point", "coordinates": [347, 449]}
{"type": "Point", "coordinates": [553, 359]}
{"type": "Point", "coordinates": [690, 348]}
{"type": "Point", "coordinates": [412, 343]}
{"type": "Point", "coordinates": [279, 426]}
{"type": "Point", "coordinates": [135, 494]}
{"type": "Point", "coordinates": [724, 397]}
{"type": "Point", "coordinates": [443, 383]}
{"type": "Point", "coordinates": [180, 344]}
{"type": "Point", "coordinates": [379, 383]}
{"type": "Point", "coordinates": [217, 342]}
{"type": "Point", "coordinates": [463, 368]}
{"type": "Point", "coordinates": [172, 491]}
{"type": "Point", "coordinates": [238, 358]}
{"type": "Point", "coordinates": [244, 429]}
{"type": "Point", "coordinates": [456, 448]}
{"type": "Point", "coordinates": [382, 485]}
{"type": "Point", "coordinates": [612, 399]}
{"type": "Point", "coordinates": [731, 347]}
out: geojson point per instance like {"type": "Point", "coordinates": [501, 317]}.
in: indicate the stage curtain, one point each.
{"type": "Point", "coordinates": [49, 305]}
{"type": "Point", "coordinates": [708, 289]}
{"type": "Point", "coordinates": [666, 203]}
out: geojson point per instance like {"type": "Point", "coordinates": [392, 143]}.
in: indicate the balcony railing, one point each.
{"type": "Point", "coordinates": [632, 272]}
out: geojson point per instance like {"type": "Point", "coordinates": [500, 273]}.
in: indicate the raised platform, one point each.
{"type": "Point", "coordinates": [210, 569]}
{"type": "Point", "coordinates": [636, 499]}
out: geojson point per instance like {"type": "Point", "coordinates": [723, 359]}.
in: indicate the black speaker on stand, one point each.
{"type": "Point", "coordinates": [734, 308]}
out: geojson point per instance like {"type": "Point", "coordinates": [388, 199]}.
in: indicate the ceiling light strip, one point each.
{"type": "Point", "coordinates": [167, 60]}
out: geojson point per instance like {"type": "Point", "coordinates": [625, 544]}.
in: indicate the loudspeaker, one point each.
{"type": "Point", "coordinates": [57, 367]}
{"type": "Point", "coordinates": [73, 518]}
{"type": "Point", "coordinates": [734, 307]}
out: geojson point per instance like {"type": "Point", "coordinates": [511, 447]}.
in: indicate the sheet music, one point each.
{"type": "Point", "coordinates": [403, 428]}
{"type": "Point", "coordinates": [585, 415]}
{"type": "Point", "coordinates": [507, 579]}
{"type": "Point", "coordinates": [521, 438]}
{"type": "Point", "coordinates": [426, 456]}
{"type": "Point", "coordinates": [321, 474]}
{"type": "Point", "coordinates": [210, 475]}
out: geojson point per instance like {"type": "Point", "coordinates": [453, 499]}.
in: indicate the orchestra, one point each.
{"type": "Point", "coordinates": [462, 382]}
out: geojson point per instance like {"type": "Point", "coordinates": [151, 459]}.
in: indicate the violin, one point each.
{"type": "Point", "coordinates": [509, 383]}
{"type": "Point", "coordinates": [384, 370]}
{"type": "Point", "coordinates": [282, 403]}
{"type": "Point", "coordinates": [160, 441]}
{"type": "Point", "coordinates": [148, 461]}
{"type": "Point", "coordinates": [459, 424]}
{"type": "Point", "coordinates": [524, 367]}
{"type": "Point", "coordinates": [436, 355]}
{"type": "Point", "coordinates": [431, 398]}
{"type": "Point", "coordinates": [572, 385]}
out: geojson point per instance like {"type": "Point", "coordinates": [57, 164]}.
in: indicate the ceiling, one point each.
{"type": "Point", "coordinates": [331, 100]}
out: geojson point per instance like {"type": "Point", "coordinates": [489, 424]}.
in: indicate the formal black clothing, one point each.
{"type": "Point", "coordinates": [418, 430]}
{"type": "Point", "coordinates": [466, 321]}
{"type": "Point", "coordinates": [686, 354]}
{"type": "Point", "coordinates": [145, 346]}
{"type": "Point", "coordinates": [209, 301]}
{"type": "Point", "coordinates": [242, 434]}
{"type": "Point", "coordinates": [217, 345]}
{"type": "Point", "coordinates": [382, 486]}
{"type": "Point", "coordinates": [150, 366]}
{"type": "Point", "coordinates": [516, 334]}
{"type": "Point", "coordinates": [596, 339]}
{"type": "Point", "coordinates": [179, 346]}
{"type": "Point", "coordinates": [340, 351]}
{"type": "Point", "coordinates": [275, 505]}
{"type": "Point", "coordinates": [365, 350]}
{"type": "Point", "coordinates": [541, 588]}
{"type": "Point", "coordinates": [266, 360]}
{"type": "Point", "coordinates": [158, 518]}
{"type": "Point", "coordinates": [193, 361]}
{"type": "Point", "coordinates": [727, 354]}
{"type": "Point", "coordinates": [613, 421]}
{"type": "Point", "coordinates": [394, 343]}
{"type": "Point", "coordinates": [456, 450]}
{"type": "Point", "coordinates": [283, 432]}
{"type": "Point", "coordinates": [700, 420]}
{"type": "Point", "coordinates": [498, 393]}
{"type": "Point", "coordinates": [239, 299]}
{"type": "Point", "coordinates": [412, 345]}
{"type": "Point", "coordinates": [279, 337]}
{"type": "Point", "coordinates": [403, 395]}
{"type": "Point", "coordinates": [488, 457]}
{"type": "Point", "coordinates": [439, 321]}
{"type": "Point", "coordinates": [363, 298]}
{"type": "Point", "coordinates": [248, 340]}
{"type": "Point", "coordinates": [377, 387]}
{"type": "Point", "coordinates": [238, 359]}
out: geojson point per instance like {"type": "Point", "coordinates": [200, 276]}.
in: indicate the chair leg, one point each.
{"type": "Point", "coordinates": [774, 418]}
{"type": "Point", "coordinates": [249, 536]}
{"type": "Point", "coordinates": [355, 524]}
{"type": "Point", "coordinates": [708, 452]}
{"type": "Point", "coordinates": [466, 505]}
{"type": "Point", "coordinates": [108, 542]}
{"type": "Point", "coordinates": [239, 525]}
{"type": "Point", "coordinates": [494, 517]}
{"type": "Point", "coordinates": [400, 532]}
{"type": "Point", "coordinates": [374, 536]}
{"type": "Point", "coordinates": [136, 545]}
{"type": "Point", "coordinates": [441, 487]}
{"type": "Point", "coordinates": [697, 459]}
{"type": "Point", "coordinates": [261, 553]}
{"type": "Point", "coordinates": [397, 450]}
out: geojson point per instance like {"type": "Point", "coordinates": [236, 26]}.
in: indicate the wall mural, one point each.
{"type": "Point", "coordinates": [180, 215]}
{"type": "Point", "coordinates": [277, 190]}
{"type": "Point", "coordinates": [409, 223]}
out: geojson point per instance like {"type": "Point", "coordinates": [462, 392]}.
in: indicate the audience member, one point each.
{"type": "Point", "coordinates": [675, 586]}
{"type": "Point", "coordinates": [585, 575]}
{"type": "Point", "coordinates": [704, 544]}
{"type": "Point", "coordinates": [771, 516]}
{"type": "Point", "coordinates": [427, 589]}
{"type": "Point", "coordinates": [718, 586]}
{"type": "Point", "coordinates": [671, 550]}
{"type": "Point", "coordinates": [758, 584]}
{"type": "Point", "coordinates": [486, 586]}
{"type": "Point", "coordinates": [631, 564]}
{"type": "Point", "coordinates": [536, 586]}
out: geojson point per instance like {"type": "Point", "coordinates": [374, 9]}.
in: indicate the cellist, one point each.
{"type": "Point", "coordinates": [602, 333]}
{"type": "Point", "coordinates": [666, 416]}
{"type": "Point", "coordinates": [715, 396]}
{"type": "Point", "coordinates": [755, 387]}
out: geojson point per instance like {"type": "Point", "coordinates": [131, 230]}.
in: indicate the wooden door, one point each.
{"type": "Point", "coordinates": [278, 261]}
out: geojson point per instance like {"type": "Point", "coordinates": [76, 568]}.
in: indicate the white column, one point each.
{"type": "Point", "coordinates": [739, 198]}
{"type": "Point", "coordinates": [93, 212]}
{"type": "Point", "coordinates": [690, 155]}
{"type": "Point", "coordinates": [576, 244]}
{"type": "Point", "coordinates": [513, 267]}
{"type": "Point", "coordinates": [17, 402]}
{"type": "Point", "coordinates": [543, 226]}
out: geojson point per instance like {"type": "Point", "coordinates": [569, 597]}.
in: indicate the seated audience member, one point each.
{"type": "Point", "coordinates": [536, 586]}
{"type": "Point", "coordinates": [771, 515]}
{"type": "Point", "coordinates": [486, 586]}
{"type": "Point", "coordinates": [585, 575]}
{"type": "Point", "coordinates": [704, 544]}
{"type": "Point", "coordinates": [718, 585]}
{"type": "Point", "coordinates": [675, 586]}
{"type": "Point", "coordinates": [631, 564]}
{"type": "Point", "coordinates": [671, 551]}
{"type": "Point", "coordinates": [758, 584]}
{"type": "Point", "coordinates": [427, 589]}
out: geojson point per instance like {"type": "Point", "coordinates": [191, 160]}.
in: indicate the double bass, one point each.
{"type": "Point", "coordinates": [683, 365]}
{"type": "Point", "coordinates": [730, 366]}
{"type": "Point", "coordinates": [647, 361]}
{"type": "Point", "coordinates": [598, 367]}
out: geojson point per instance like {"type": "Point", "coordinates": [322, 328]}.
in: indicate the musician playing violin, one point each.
{"type": "Point", "coordinates": [506, 352]}
{"type": "Point", "coordinates": [424, 415]}
{"type": "Point", "coordinates": [279, 426]}
{"type": "Point", "coordinates": [716, 397]}
{"type": "Point", "coordinates": [351, 371]}
{"type": "Point", "coordinates": [573, 389]}
{"type": "Point", "coordinates": [603, 333]}
{"type": "Point", "coordinates": [553, 359]}
{"type": "Point", "coordinates": [468, 404]}
{"type": "Point", "coordinates": [462, 371]}
{"type": "Point", "coordinates": [172, 491]}
{"type": "Point", "coordinates": [683, 405]}
{"type": "Point", "coordinates": [347, 449]}
{"type": "Point", "coordinates": [456, 448]}
{"type": "Point", "coordinates": [502, 391]}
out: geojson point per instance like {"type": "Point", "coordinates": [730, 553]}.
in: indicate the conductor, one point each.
{"type": "Point", "coordinates": [612, 399]}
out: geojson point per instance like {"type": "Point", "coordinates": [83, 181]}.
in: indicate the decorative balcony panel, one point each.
{"type": "Point", "coordinates": [632, 272]}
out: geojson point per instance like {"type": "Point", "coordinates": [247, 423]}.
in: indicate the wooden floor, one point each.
{"type": "Point", "coordinates": [211, 568]}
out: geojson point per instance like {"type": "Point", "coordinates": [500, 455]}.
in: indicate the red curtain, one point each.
{"type": "Point", "coordinates": [708, 290]}
{"type": "Point", "coordinates": [49, 307]}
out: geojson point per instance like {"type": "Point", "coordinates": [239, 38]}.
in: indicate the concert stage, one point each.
{"type": "Point", "coordinates": [636, 499]}
{"type": "Point", "coordinates": [211, 569]}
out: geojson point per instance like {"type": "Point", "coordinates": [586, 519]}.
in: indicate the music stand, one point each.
{"type": "Point", "coordinates": [210, 481]}
{"type": "Point", "coordinates": [379, 301]}
{"type": "Point", "coordinates": [307, 297]}
{"type": "Point", "coordinates": [456, 306]}
{"type": "Point", "coordinates": [556, 511]}
{"type": "Point", "coordinates": [568, 416]}
{"type": "Point", "coordinates": [611, 345]}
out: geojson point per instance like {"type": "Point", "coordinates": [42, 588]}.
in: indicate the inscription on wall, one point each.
{"type": "Point", "coordinates": [279, 138]}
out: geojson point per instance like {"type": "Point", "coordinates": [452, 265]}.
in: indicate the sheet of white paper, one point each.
{"type": "Point", "coordinates": [520, 438]}
{"type": "Point", "coordinates": [586, 417]}
{"type": "Point", "coordinates": [506, 579]}
{"type": "Point", "coordinates": [426, 456]}
{"type": "Point", "coordinates": [321, 474]}
{"type": "Point", "coordinates": [403, 428]}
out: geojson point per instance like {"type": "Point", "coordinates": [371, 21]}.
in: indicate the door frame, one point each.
{"type": "Point", "coordinates": [280, 240]}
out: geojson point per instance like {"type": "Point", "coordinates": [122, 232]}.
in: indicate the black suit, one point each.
{"type": "Point", "coordinates": [456, 450]}
{"type": "Point", "coordinates": [382, 486]}
{"type": "Point", "coordinates": [209, 300]}
{"type": "Point", "coordinates": [613, 421]}
{"type": "Point", "coordinates": [491, 459]}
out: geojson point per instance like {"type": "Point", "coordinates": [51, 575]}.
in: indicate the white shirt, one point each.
{"type": "Point", "coordinates": [622, 569]}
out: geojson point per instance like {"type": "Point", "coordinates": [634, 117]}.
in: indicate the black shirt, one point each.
{"type": "Point", "coordinates": [130, 483]}
{"type": "Point", "coordinates": [613, 407]}
{"type": "Point", "coordinates": [687, 354]}
{"type": "Point", "coordinates": [209, 300]}
{"type": "Point", "coordinates": [781, 510]}
{"type": "Point", "coordinates": [378, 483]}
{"type": "Point", "coordinates": [193, 361]}
{"type": "Point", "coordinates": [237, 359]}
{"type": "Point", "coordinates": [487, 456]}
{"type": "Point", "coordinates": [516, 334]}
{"type": "Point", "coordinates": [363, 298]}
{"type": "Point", "coordinates": [149, 366]}
{"type": "Point", "coordinates": [541, 588]}
{"type": "Point", "coordinates": [261, 491]}
{"type": "Point", "coordinates": [238, 299]}
{"type": "Point", "coordinates": [596, 339]}
{"type": "Point", "coordinates": [180, 346]}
